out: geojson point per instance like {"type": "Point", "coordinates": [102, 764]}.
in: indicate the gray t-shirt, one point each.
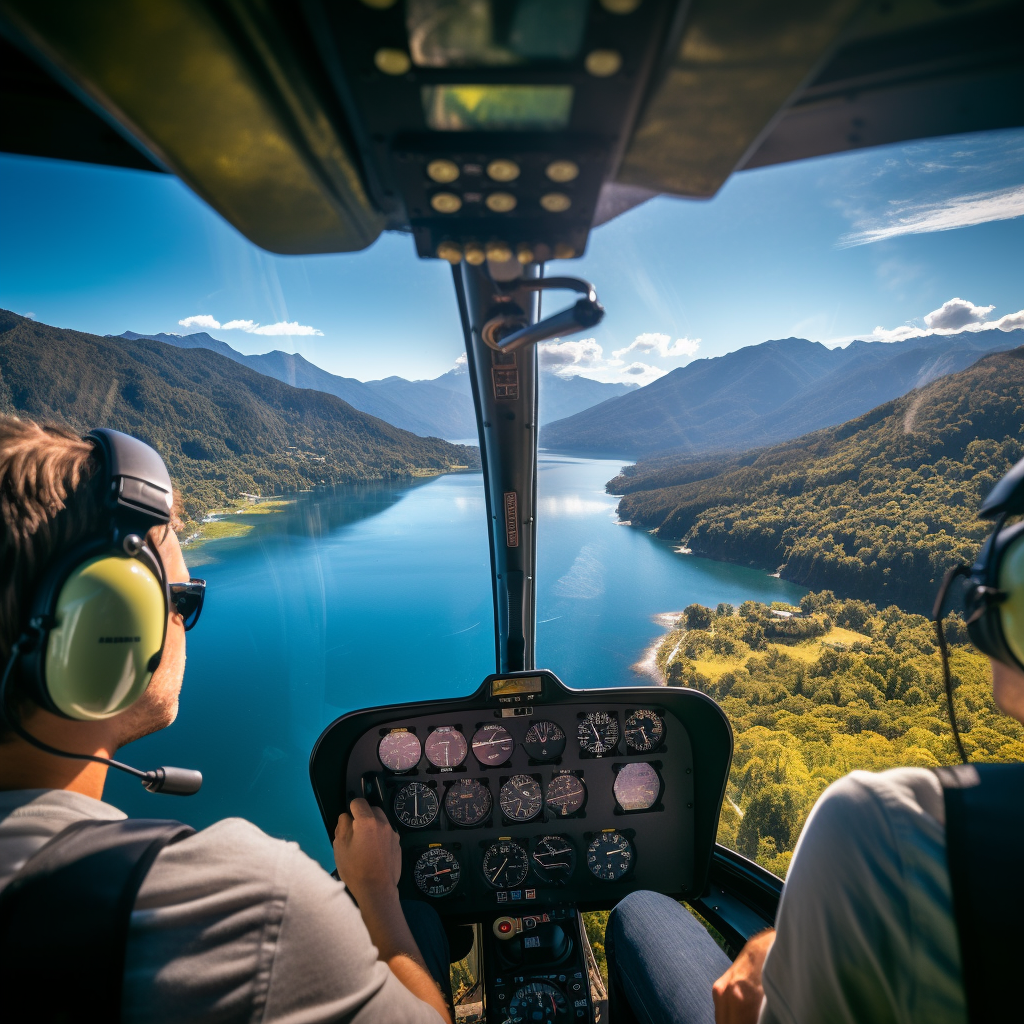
{"type": "Point", "coordinates": [865, 929]}
{"type": "Point", "coordinates": [230, 925]}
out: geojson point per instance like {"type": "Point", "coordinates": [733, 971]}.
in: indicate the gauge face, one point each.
{"type": "Point", "coordinates": [566, 795]}
{"type": "Point", "coordinates": [644, 731]}
{"type": "Point", "coordinates": [554, 859]}
{"type": "Point", "coordinates": [544, 741]}
{"type": "Point", "coordinates": [446, 747]}
{"type": "Point", "coordinates": [416, 805]}
{"type": "Point", "coordinates": [637, 787]}
{"type": "Point", "coordinates": [399, 751]}
{"type": "Point", "coordinates": [437, 872]}
{"type": "Point", "coordinates": [492, 745]}
{"type": "Point", "coordinates": [610, 856]}
{"type": "Point", "coordinates": [505, 864]}
{"type": "Point", "coordinates": [598, 733]}
{"type": "Point", "coordinates": [521, 798]}
{"type": "Point", "coordinates": [538, 1003]}
{"type": "Point", "coordinates": [467, 802]}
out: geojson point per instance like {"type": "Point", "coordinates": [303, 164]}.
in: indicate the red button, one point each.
{"type": "Point", "coordinates": [505, 926]}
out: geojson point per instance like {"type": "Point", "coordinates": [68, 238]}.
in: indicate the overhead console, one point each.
{"type": "Point", "coordinates": [528, 794]}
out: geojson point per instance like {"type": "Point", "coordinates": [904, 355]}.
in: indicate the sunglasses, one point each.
{"type": "Point", "coordinates": [187, 600]}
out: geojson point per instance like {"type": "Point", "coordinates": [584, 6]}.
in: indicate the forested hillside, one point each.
{"type": "Point", "coordinates": [876, 508]}
{"type": "Point", "coordinates": [222, 428]}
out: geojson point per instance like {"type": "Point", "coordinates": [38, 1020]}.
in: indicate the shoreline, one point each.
{"type": "Point", "coordinates": [647, 665]}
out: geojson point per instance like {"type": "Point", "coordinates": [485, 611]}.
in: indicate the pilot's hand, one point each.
{"type": "Point", "coordinates": [738, 992]}
{"type": "Point", "coordinates": [366, 851]}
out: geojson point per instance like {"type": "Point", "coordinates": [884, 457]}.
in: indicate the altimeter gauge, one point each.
{"type": "Point", "coordinates": [566, 795]}
{"type": "Point", "coordinates": [505, 864]}
{"type": "Point", "coordinates": [520, 798]}
{"type": "Point", "coordinates": [399, 751]}
{"type": "Point", "coordinates": [544, 741]}
{"type": "Point", "coordinates": [416, 805]}
{"type": "Point", "coordinates": [644, 731]}
{"type": "Point", "coordinates": [446, 747]}
{"type": "Point", "coordinates": [467, 802]}
{"type": "Point", "coordinates": [492, 745]}
{"type": "Point", "coordinates": [437, 872]}
{"type": "Point", "coordinates": [637, 787]}
{"type": "Point", "coordinates": [554, 859]}
{"type": "Point", "coordinates": [598, 733]}
{"type": "Point", "coordinates": [610, 855]}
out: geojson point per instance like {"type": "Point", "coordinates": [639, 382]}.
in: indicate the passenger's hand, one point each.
{"type": "Point", "coordinates": [738, 992]}
{"type": "Point", "coordinates": [366, 851]}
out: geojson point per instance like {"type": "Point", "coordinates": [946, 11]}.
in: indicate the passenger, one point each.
{"type": "Point", "coordinates": [229, 925]}
{"type": "Point", "coordinates": [865, 931]}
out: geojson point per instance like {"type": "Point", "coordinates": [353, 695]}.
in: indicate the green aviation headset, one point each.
{"type": "Point", "coordinates": [994, 592]}
{"type": "Point", "coordinates": [98, 620]}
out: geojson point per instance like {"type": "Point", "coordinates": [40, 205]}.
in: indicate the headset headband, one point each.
{"type": "Point", "coordinates": [138, 480]}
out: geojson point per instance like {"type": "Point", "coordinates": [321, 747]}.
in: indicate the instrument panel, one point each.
{"type": "Point", "coordinates": [530, 793]}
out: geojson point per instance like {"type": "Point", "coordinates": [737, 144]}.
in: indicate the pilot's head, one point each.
{"type": "Point", "coordinates": [50, 502]}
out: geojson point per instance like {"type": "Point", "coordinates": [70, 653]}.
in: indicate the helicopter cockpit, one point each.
{"type": "Point", "coordinates": [497, 135]}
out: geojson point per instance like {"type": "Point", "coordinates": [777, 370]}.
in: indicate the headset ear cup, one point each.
{"type": "Point", "coordinates": [1010, 610]}
{"type": "Point", "coordinates": [109, 622]}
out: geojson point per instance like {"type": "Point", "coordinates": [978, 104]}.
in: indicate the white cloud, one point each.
{"type": "Point", "coordinates": [564, 355]}
{"type": "Point", "coordinates": [290, 329]}
{"type": "Point", "coordinates": [908, 218]}
{"type": "Point", "coordinates": [956, 314]}
{"type": "Point", "coordinates": [662, 345]}
{"type": "Point", "coordinates": [460, 360]}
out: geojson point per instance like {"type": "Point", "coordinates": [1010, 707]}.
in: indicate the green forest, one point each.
{"type": "Point", "coordinates": [876, 508]}
{"type": "Point", "coordinates": [222, 429]}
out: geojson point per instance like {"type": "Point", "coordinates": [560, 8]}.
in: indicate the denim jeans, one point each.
{"type": "Point", "coordinates": [661, 963]}
{"type": "Point", "coordinates": [430, 936]}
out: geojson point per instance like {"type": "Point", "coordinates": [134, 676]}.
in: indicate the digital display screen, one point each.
{"type": "Point", "coordinates": [510, 687]}
{"type": "Point", "coordinates": [497, 108]}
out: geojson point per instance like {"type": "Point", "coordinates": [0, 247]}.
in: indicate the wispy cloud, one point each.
{"type": "Point", "coordinates": [291, 329]}
{"type": "Point", "coordinates": [661, 345]}
{"type": "Point", "coordinates": [585, 358]}
{"type": "Point", "coordinates": [915, 218]}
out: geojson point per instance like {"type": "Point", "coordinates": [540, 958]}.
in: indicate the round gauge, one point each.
{"type": "Point", "coordinates": [598, 733]}
{"type": "Point", "coordinates": [637, 787]}
{"type": "Point", "coordinates": [446, 747]}
{"type": "Point", "coordinates": [521, 798]}
{"type": "Point", "coordinates": [492, 745]}
{"type": "Point", "coordinates": [505, 864]}
{"type": "Point", "coordinates": [554, 859]}
{"type": "Point", "coordinates": [437, 872]}
{"type": "Point", "coordinates": [416, 805]}
{"type": "Point", "coordinates": [467, 802]}
{"type": "Point", "coordinates": [544, 741]}
{"type": "Point", "coordinates": [538, 1003]}
{"type": "Point", "coordinates": [644, 731]}
{"type": "Point", "coordinates": [399, 751]}
{"type": "Point", "coordinates": [609, 856]}
{"type": "Point", "coordinates": [566, 795]}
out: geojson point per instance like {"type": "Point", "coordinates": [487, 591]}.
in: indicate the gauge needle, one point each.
{"type": "Point", "coordinates": [415, 804]}
{"type": "Point", "coordinates": [499, 871]}
{"type": "Point", "coordinates": [642, 733]}
{"type": "Point", "coordinates": [597, 735]}
{"type": "Point", "coordinates": [443, 871]}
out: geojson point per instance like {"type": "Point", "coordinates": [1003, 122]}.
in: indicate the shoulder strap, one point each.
{"type": "Point", "coordinates": [65, 915]}
{"type": "Point", "coordinates": [985, 850]}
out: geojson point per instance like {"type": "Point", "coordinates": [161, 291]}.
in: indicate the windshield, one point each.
{"type": "Point", "coordinates": [752, 477]}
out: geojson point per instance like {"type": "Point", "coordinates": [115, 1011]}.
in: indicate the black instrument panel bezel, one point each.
{"type": "Point", "coordinates": [701, 732]}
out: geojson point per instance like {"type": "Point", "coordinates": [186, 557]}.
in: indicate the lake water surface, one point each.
{"type": "Point", "coordinates": [381, 594]}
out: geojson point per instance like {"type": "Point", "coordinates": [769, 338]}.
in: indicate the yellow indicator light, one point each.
{"type": "Point", "coordinates": [524, 254]}
{"type": "Point", "coordinates": [451, 252]}
{"type": "Point", "coordinates": [498, 252]}
{"type": "Point", "coordinates": [500, 202]}
{"type": "Point", "coordinates": [564, 252]}
{"type": "Point", "coordinates": [442, 171]}
{"type": "Point", "coordinates": [601, 63]}
{"type": "Point", "coordinates": [562, 170]}
{"type": "Point", "coordinates": [396, 62]}
{"type": "Point", "coordinates": [611, 6]}
{"type": "Point", "coordinates": [555, 202]}
{"type": "Point", "coordinates": [475, 254]}
{"type": "Point", "coordinates": [446, 202]}
{"type": "Point", "coordinates": [503, 170]}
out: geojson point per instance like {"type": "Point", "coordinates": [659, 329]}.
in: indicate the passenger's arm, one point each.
{"type": "Point", "coordinates": [369, 861]}
{"type": "Point", "coordinates": [738, 993]}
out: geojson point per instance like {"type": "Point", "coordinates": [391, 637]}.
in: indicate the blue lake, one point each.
{"type": "Point", "coordinates": [381, 594]}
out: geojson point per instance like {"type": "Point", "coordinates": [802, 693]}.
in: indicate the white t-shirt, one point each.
{"type": "Point", "coordinates": [865, 929]}
{"type": "Point", "coordinates": [230, 925]}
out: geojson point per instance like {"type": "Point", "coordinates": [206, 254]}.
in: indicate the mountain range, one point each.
{"type": "Point", "coordinates": [222, 428]}
{"type": "Point", "coordinates": [442, 407]}
{"type": "Point", "coordinates": [766, 393]}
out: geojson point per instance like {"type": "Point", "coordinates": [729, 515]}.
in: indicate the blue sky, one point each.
{"type": "Point", "coordinates": [826, 249]}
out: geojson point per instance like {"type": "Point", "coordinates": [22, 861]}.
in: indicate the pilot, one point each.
{"type": "Point", "coordinates": [229, 924]}
{"type": "Point", "coordinates": [865, 930]}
